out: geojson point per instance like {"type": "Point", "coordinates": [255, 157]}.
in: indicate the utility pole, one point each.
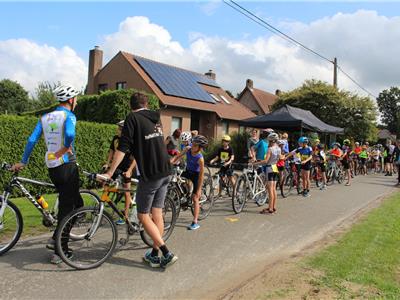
{"type": "Point", "coordinates": [335, 72]}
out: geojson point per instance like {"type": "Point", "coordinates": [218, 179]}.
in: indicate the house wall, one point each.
{"type": "Point", "coordinates": [233, 127]}
{"type": "Point", "coordinates": [248, 100]}
{"type": "Point", "coordinates": [120, 70]}
{"type": "Point", "coordinates": [168, 113]}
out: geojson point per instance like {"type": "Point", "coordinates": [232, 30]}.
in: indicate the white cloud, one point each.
{"type": "Point", "coordinates": [30, 63]}
{"type": "Point", "coordinates": [364, 42]}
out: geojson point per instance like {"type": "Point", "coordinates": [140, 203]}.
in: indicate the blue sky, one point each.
{"type": "Point", "coordinates": [82, 25]}
{"type": "Point", "coordinates": [49, 41]}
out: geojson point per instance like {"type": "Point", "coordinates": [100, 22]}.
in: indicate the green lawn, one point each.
{"type": "Point", "coordinates": [365, 262]}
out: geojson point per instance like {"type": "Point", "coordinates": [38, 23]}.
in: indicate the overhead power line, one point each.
{"type": "Point", "coordinates": [250, 15]}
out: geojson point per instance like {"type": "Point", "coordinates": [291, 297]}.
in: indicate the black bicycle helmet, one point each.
{"type": "Point", "coordinates": [200, 140]}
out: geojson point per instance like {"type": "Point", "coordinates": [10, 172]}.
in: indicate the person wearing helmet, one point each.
{"type": "Point", "coordinates": [281, 165]}
{"type": "Point", "coordinates": [261, 147]}
{"type": "Point", "coordinates": [305, 153]}
{"type": "Point", "coordinates": [172, 142]}
{"type": "Point", "coordinates": [375, 156]}
{"type": "Point", "coordinates": [194, 173]}
{"type": "Point", "coordinates": [186, 139]}
{"type": "Point", "coordinates": [346, 159]}
{"type": "Point", "coordinates": [125, 169]}
{"type": "Point", "coordinates": [320, 160]}
{"type": "Point", "coordinates": [355, 155]}
{"type": "Point", "coordinates": [225, 157]}
{"type": "Point", "coordinates": [270, 161]}
{"type": "Point", "coordinates": [388, 155]}
{"type": "Point", "coordinates": [363, 159]}
{"type": "Point", "coordinates": [58, 129]}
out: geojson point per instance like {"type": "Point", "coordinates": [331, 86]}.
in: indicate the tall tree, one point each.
{"type": "Point", "coordinates": [389, 107]}
{"type": "Point", "coordinates": [357, 115]}
{"type": "Point", "coordinates": [13, 97]}
{"type": "Point", "coordinates": [44, 95]}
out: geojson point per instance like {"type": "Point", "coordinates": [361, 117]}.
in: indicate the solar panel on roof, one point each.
{"type": "Point", "coordinates": [177, 82]}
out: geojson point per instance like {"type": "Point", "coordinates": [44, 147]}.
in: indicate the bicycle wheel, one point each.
{"type": "Point", "coordinates": [169, 216]}
{"type": "Point", "coordinates": [261, 194]}
{"type": "Point", "coordinates": [206, 200]}
{"type": "Point", "coordinates": [11, 225]}
{"type": "Point", "coordinates": [99, 238]}
{"type": "Point", "coordinates": [332, 177]}
{"type": "Point", "coordinates": [230, 189]}
{"type": "Point", "coordinates": [287, 185]}
{"type": "Point", "coordinates": [340, 176]}
{"type": "Point", "coordinates": [174, 195]}
{"type": "Point", "coordinates": [240, 197]}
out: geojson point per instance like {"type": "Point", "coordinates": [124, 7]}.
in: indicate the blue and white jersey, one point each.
{"type": "Point", "coordinates": [58, 128]}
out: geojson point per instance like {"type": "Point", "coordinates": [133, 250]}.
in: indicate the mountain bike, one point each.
{"type": "Point", "coordinates": [249, 186]}
{"type": "Point", "coordinates": [181, 194]}
{"type": "Point", "coordinates": [221, 182]}
{"type": "Point", "coordinates": [334, 172]}
{"type": "Point", "coordinates": [97, 229]}
{"type": "Point", "coordinates": [11, 221]}
{"type": "Point", "coordinates": [292, 179]}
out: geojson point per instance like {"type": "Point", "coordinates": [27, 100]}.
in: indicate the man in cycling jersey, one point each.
{"type": "Point", "coordinates": [58, 128]}
{"type": "Point", "coordinates": [143, 137]}
{"type": "Point", "coordinates": [225, 156]}
{"type": "Point", "coordinates": [346, 159]}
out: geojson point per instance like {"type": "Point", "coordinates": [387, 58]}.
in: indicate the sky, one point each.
{"type": "Point", "coordinates": [49, 41]}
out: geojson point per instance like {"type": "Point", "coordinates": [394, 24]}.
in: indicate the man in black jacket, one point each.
{"type": "Point", "coordinates": [142, 136]}
{"type": "Point", "coordinates": [396, 160]}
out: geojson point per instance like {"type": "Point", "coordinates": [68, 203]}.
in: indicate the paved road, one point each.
{"type": "Point", "coordinates": [225, 251]}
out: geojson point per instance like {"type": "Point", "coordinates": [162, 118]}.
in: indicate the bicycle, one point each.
{"type": "Point", "coordinates": [178, 191]}
{"type": "Point", "coordinates": [222, 183]}
{"type": "Point", "coordinates": [98, 231]}
{"type": "Point", "coordinates": [334, 172]}
{"type": "Point", "coordinates": [11, 221]}
{"type": "Point", "coordinates": [293, 178]}
{"type": "Point", "coordinates": [250, 185]}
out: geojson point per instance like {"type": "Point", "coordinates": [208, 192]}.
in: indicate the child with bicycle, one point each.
{"type": "Point", "coordinates": [194, 173]}
{"type": "Point", "coordinates": [225, 157]}
{"type": "Point", "coordinates": [320, 160]}
{"type": "Point", "coordinates": [346, 159]}
{"type": "Point", "coordinates": [271, 159]}
{"type": "Point", "coordinates": [305, 153]}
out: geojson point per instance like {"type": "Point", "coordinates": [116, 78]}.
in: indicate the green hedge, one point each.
{"type": "Point", "coordinates": [108, 107]}
{"type": "Point", "coordinates": [91, 144]}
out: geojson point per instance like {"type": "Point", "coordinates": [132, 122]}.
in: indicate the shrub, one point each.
{"type": "Point", "coordinates": [91, 144]}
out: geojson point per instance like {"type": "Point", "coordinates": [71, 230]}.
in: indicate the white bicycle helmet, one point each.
{"type": "Point", "coordinates": [186, 136]}
{"type": "Point", "coordinates": [273, 137]}
{"type": "Point", "coordinates": [64, 93]}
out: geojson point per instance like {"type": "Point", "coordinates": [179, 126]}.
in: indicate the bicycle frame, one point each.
{"type": "Point", "coordinates": [252, 183]}
{"type": "Point", "coordinates": [16, 182]}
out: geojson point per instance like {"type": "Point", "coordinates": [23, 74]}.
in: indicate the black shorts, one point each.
{"type": "Point", "coordinates": [280, 169]}
{"type": "Point", "coordinates": [322, 167]}
{"type": "Point", "coordinates": [272, 176]}
{"type": "Point", "coordinates": [306, 166]}
{"type": "Point", "coordinates": [388, 159]}
{"type": "Point", "coordinates": [193, 177]}
{"type": "Point", "coordinates": [226, 171]}
{"type": "Point", "coordinates": [346, 164]}
{"type": "Point", "coordinates": [363, 161]}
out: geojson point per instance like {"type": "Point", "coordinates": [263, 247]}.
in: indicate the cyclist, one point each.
{"type": "Point", "coordinates": [355, 154]}
{"type": "Point", "coordinates": [125, 169]}
{"type": "Point", "coordinates": [389, 158]}
{"type": "Point", "coordinates": [251, 142]}
{"type": "Point", "coordinates": [270, 161]}
{"type": "Point", "coordinates": [194, 173]}
{"type": "Point", "coordinates": [346, 159]}
{"type": "Point", "coordinates": [172, 142]}
{"type": "Point", "coordinates": [364, 159]}
{"type": "Point", "coordinates": [375, 156]}
{"type": "Point", "coordinates": [281, 164]}
{"type": "Point", "coordinates": [225, 157]}
{"type": "Point", "coordinates": [285, 137]}
{"type": "Point", "coordinates": [58, 128]}
{"type": "Point", "coordinates": [320, 160]}
{"type": "Point", "coordinates": [186, 139]}
{"type": "Point", "coordinates": [305, 153]}
{"type": "Point", "coordinates": [143, 137]}
{"type": "Point", "coordinates": [261, 147]}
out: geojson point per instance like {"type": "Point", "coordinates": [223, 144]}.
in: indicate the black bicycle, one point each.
{"type": "Point", "coordinates": [11, 221]}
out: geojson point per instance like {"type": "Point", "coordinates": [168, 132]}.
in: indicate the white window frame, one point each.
{"type": "Point", "coordinates": [226, 100]}
{"type": "Point", "coordinates": [215, 97]}
{"type": "Point", "coordinates": [223, 125]}
{"type": "Point", "coordinates": [179, 119]}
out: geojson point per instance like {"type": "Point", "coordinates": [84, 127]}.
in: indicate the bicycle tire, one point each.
{"type": "Point", "coordinates": [240, 196]}
{"type": "Point", "coordinates": [173, 194]}
{"type": "Point", "coordinates": [169, 205]}
{"type": "Point", "coordinates": [287, 186]}
{"type": "Point", "coordinates": [263, 197]}
{"type": "Point", "coordinates": [332, 178]}
{"type": "Point", "coordinates": [71, 218]}
{"type": "Point", "coordinates": [20, 224]}
{"type": "Point", "coordinates": [209, 199]}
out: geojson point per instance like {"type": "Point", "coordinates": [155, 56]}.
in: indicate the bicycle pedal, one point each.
{"type": "Point", "coordinates": [123, 242]}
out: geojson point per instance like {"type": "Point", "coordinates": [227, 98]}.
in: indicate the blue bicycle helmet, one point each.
{"type": "Point", "coordinates": [303, 140]}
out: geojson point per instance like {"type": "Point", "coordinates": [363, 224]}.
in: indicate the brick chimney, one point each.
{"type": "Point", "coordinates": [95, 64]}
{"type": "Point", "coordinates": [211, 74]}
{"type": "Point", "coordinates": [278, 92]}
{"type": "Point", "coordinates": [249, 83]}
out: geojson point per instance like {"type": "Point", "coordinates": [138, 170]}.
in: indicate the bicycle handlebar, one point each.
{"type": "Point", "coordinates": [5, 166]}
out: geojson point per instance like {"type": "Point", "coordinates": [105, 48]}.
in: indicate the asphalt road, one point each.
{"type": "Point", "coordinates": [225, 251]}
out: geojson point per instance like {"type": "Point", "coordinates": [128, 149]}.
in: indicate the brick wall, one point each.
{"type": "Point", "coordinates": [248, 100]}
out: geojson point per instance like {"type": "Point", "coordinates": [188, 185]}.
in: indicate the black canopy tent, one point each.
{"type": "Point", "coordinates": [291, 118]}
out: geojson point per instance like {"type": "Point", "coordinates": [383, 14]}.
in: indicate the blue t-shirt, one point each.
{"type": "Point", "coordinates": [261, 149]}
{"type": "Point", "coordinates": [305, 153]}
{"type": "Point", "coordinates": [192, 162]}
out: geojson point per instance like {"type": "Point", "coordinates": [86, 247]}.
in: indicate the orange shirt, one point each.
{"type": "Point", "coordinates": [336, 152]}
{"type": "Point", "coordinates": [357, 150]}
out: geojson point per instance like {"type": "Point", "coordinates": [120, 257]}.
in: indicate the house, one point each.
{"type": "Point", "coordinates": [188, 100]}
{"type": "Point", "coordinates": [385, 134]}
{"type": "Point", "coordinates": [258, 101]}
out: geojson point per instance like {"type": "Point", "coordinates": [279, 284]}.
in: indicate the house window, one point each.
{"type": "Point", "coordinates": [215, 97]}
{"type": "Point", "coordinates": [225, 127]}
{"type": "Point", "coordinates": [103, 87]}
{"type": "Point", "coordinates": [226, 100]}
{"type": "Point", "coordinates": [121, 85]}
{"type": "Point", "coordinates": [242, 129]}
{"type": "Point", "coordinates": [176, 123]}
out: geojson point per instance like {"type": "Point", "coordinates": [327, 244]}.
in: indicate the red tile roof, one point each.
{"type": "Point", "coordinates": [264, 99]}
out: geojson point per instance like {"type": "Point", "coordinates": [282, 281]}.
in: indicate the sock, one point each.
{"type": "Point", "coordinates": [164, 250]}
{"type": "Point", "coordinates": [154, 252]}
